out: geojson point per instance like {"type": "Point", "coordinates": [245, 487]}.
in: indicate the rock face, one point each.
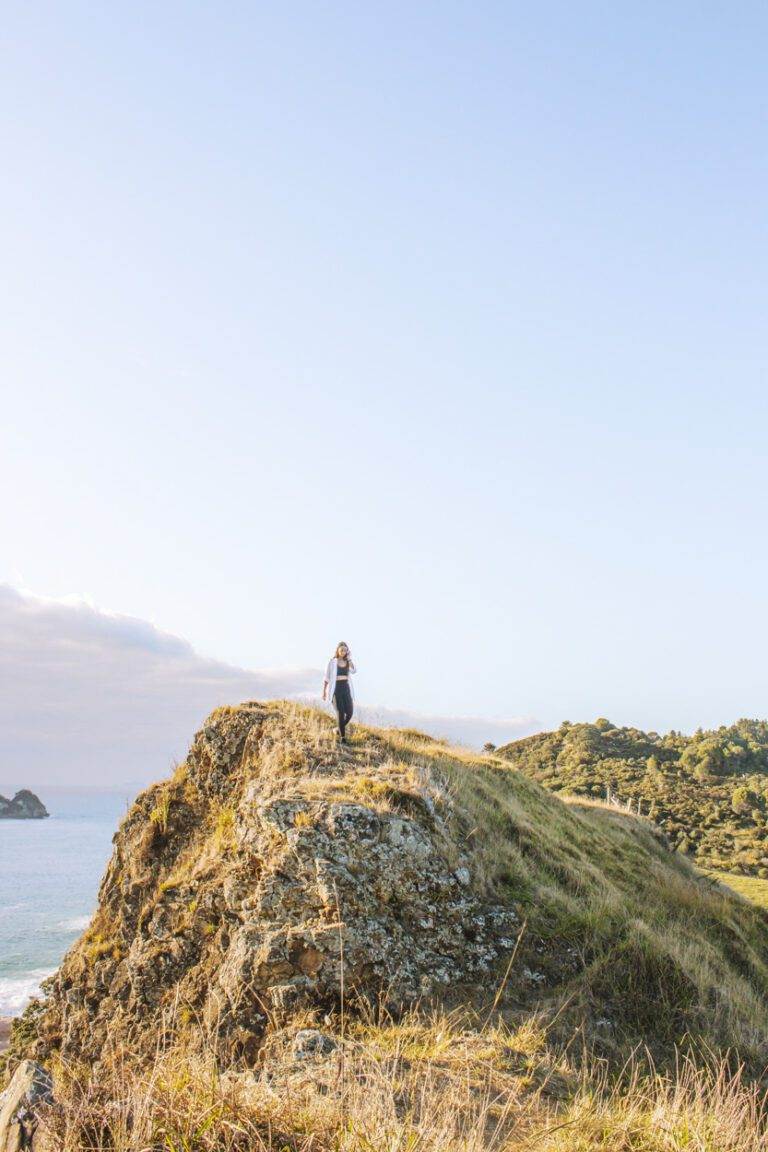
{"type": "Point", "coordinates": [21, 1106]}
{"type": "Point", "coordinates": [24, 806]}
{"type": "Point", "coordinates": [275, 872]}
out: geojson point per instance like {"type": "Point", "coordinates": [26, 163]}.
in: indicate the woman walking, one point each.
{"type": "Point", "coordinates": [337, 686]}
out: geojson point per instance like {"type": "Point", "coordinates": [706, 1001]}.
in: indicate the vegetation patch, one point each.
{"type": "Point", "coordinates": [707, 792]}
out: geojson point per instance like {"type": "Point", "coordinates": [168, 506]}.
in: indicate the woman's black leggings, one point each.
{"type": "Point", "coordinates": [342, 698]}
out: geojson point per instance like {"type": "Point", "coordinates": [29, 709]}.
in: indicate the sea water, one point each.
{"type": "Point", "coordinates": [50, 872]}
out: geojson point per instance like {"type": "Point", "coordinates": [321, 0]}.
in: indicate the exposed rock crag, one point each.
{"type": "Point", "coordinates": [275, 872]}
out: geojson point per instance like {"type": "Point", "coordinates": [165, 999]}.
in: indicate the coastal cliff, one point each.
{"type": "Point", "coordinates": [392, 944]}
{"type": "Point", "coordinates": [279, 876]}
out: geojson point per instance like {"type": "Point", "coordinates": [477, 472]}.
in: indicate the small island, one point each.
{"type": "Point", "coordinates": [24, 806]}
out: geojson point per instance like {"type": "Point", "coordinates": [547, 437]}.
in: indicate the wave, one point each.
{"type": "Point", "coordinates": [15, 992]}
{"type": "Point", "coordinates": [75, 924]}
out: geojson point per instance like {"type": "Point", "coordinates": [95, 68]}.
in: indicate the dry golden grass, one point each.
{"type": "Point", "coordinates": [429, 1083]}
{"type": "Point", "coordinates": [599, 875]}
{"type": "Point", "coordinates": [752, 888]}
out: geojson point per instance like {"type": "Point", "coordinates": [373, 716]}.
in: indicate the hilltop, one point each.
{"type": "Point", "coordinates": [399, 907]}
{"type": "Point", "coordinates": [708, 792]}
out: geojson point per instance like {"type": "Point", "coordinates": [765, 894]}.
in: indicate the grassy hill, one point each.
{"type": "Point", "coordinates": [708, 792]}
{"type": "Point", "coordinates": [235, 987]}
{"type": "Point", "coordinates": [752, 888]}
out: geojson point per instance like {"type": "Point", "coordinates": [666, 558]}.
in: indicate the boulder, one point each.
{"type": "Point", "coordinates": [22, 1110]}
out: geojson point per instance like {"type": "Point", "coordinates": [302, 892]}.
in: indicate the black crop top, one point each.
{"type": "Point", "coordinates": [341, 669]}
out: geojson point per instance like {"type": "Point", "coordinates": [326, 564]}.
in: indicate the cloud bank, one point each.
{"type": "Point", "coordinates": [88, 697]}
{"type": "Point", "coordinates": [471, 730]}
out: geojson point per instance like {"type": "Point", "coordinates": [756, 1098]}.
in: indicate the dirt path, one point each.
{"type": "Point", "coordinates": [5, 1031]}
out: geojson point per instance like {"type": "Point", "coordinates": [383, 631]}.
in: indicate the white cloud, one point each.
{"type": "Point", "coordinates": [92, 697]}
{"type": "Point", "coordinates": [471, 730]}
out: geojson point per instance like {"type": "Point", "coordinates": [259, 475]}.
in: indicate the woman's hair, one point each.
{"type": "Point", "coordinates": [341, 644]}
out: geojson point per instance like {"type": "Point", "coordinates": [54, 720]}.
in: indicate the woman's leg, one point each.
{"type": "Point", "coordinates": [347, 707]}
{"type": "Point", "coordinates": [343, 700]}
{"type": "Point", "coordinates": [338, 701]}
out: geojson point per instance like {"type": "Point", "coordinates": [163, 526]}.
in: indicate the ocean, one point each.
{"type": "Point", "coordinates": [50, 872]}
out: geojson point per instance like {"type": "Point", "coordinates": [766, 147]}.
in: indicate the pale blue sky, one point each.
{"type": "Point", "coordinates": [439, 328]}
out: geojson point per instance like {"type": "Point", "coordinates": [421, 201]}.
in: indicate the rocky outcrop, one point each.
{"type": "Point", "coordinates": [275, 872]}
{"type": "Point", "coordinates": [24, 806]}
{"type": "Point", "coordinates": [23, 1108]}
{"type": "Point", "coordinates": [279, 881]}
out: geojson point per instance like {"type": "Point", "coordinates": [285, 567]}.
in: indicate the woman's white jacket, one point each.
{"type": "Point", "coordinates": [330, 678]}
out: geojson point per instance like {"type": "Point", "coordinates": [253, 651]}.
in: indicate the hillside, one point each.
{"type": "Point", "coordinates": [281, 897]}
{"type": "Point", "coordinates": [708, 792]}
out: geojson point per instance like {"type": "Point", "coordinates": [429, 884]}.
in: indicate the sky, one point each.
{"type": "Point", "coordinates": [101, 699]}
{"type": "Point", "coordinates": [436, 328]}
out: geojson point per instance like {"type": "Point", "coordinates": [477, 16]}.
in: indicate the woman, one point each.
{"type": "Point", "coordinates": [337, 686]}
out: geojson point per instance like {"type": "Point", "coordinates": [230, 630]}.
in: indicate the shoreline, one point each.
{"type": "Point", "coordinates": [5, 1032]}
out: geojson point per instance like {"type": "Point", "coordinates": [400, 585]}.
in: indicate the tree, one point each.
{"type": "Point", "coordinates": [742, 800]}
